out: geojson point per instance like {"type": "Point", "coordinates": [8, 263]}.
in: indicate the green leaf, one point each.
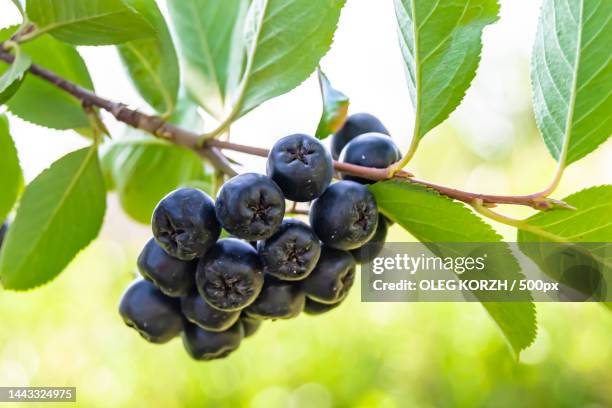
{"type": "Point", "coordinates": [14, 75]}
{"type": "Point", "coordinates": [434, 220]}
{"type": "Point", "coordinates": [206, 184]}
{"type": "Point", "coordinates": [429, 216]}
{"type": "Point", "coordinates": [571, 74]}
{"type": "Point", "coordinates": [335, 108]}
{"type": "Point", "coordinates": [88, 22]}
{"type": "Point", "coordinates": [209, 34]}
{"type": "Point", "coordinates": [133, 163]}
{"type": "Point", "coordinates": [12, 177]}
{"type": "Point", "coordinates": [590, 222]}
{"type": "Point", "coordinates": [42, 103]}
{"type": "Point", "coordinates": [285, 40]}
{"type": "Point", "coordinates": [129, 165]}
{"type": "Point", "coordinates": [60, 213]}
{"type": "Point", "coordinates": [441, 44]}
{"type": "Point", "coordinates": [152, 62]}
{"type": "Point", "coordinates": [11, 90]}
{"type": "Point", "coordinates": [187, 116]}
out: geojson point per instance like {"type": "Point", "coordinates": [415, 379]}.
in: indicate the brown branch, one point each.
{"type": "Point", "coordinates": [535, 201]}
{"type": "Point", "coordinates": [151, 124]}
{"type": "Point", "coordinates": [218, 160]}
{"type": "Point", "coordinates": [532, 200]}
{"type": "Point", "coordinates": [298, 211]}
{"type": "Point", "coordinates": [369, 173]}
{"type": "Point", "coordinates": [211, 150]}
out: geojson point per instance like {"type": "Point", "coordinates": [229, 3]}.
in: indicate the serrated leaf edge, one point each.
{"type": "Point", "coordinates": [91, 153]}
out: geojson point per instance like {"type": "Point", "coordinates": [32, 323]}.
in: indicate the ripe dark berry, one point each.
{"type": "Point", "coordinates": [345, 216]}
{"type": "Point", "coordinates": [370, 150]}
{"type": "Point", "coordinates": [292, 252]}
{"type": "Point", "coordinates": [154, 315]}
{"type": "Point", "coordinates": [230, 276]}
{"type": "Point", "coordinates": [250, 325]}
{"type": "Point", "coordinates": [3, 231]}
{"type": "Point", "coordinates": [184, 223]}
{"type": "Point", "coordinates": [207, 345]}
{"type": "Point", "coordinates": [355, 125]}
{"type": "Point", "coordinates": [277, 300]}
{"type": "Point", "coordinates": [332, 278]}
{"type": "Point", "coordinates": [250, 206]}
{"type": "Point", "coordinates": [315, 308]}
{"type": "Point", "coordinates": [301, 166]}
{"type": "Point", "coordinates": [372, 248]}
{"type": "Point", "coordinates": [172, 276]}
{"type": "Point", "coordinates": [197, 311]}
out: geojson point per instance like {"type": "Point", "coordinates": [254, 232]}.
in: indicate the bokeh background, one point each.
{"type": "Point", "coordinates": [68, 333]}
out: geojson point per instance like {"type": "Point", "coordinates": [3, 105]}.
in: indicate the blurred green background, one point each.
{"type": "Point", "coordinates": [68, 333]}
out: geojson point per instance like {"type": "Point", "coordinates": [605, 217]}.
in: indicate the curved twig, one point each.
{"type": "Point", "coordinates": [211, 149]}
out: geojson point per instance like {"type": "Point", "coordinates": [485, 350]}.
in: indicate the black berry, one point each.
{"type": "Point", "coordinates": [197, 311]}
{"type": "Point", "coordinates": [355, 125]}
{"type": "Point", "coordinates": [277, 300]}
{"type": "Point", "coordinates": [332, 278]}
{"type": "Point", "coordinates": [230, 276]}
{"type": "Point", "coordinates": [172, 276]}
{"type": "Point", "coordinates": [292, 252]}
{"type": "Point", "coordinates": [154, 315]}
{"type": "Point", "coordinates": [208, 345]}
{"type": "Point", "coordinates": [301, 166]}
{"type": "Point", "coordinates": [250, 325]}
{"type": "Point", "coordinates": [345, 216]}
{"type": "Point", "coordinates": [184, 223]}
{"type": "Point", "coordinates": [250, 206]}
{"type": "Point", "coordinates": [314, 308]}
{"type": "Point", "coordinates": [372, 248]}
{"type": "Point", "coordinates": [3, 231]}
{"type": "Point", "coordinates": [370, 150]}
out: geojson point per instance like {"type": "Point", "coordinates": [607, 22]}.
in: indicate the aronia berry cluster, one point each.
{"type": "Point", "coordinates": [215, 292]}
